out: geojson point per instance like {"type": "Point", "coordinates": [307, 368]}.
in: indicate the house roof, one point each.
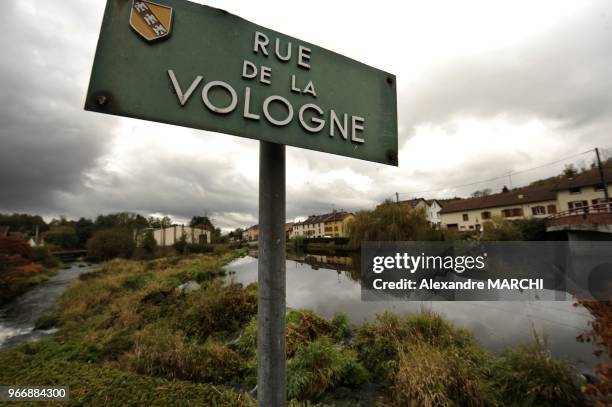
{"type": "Point", "coordinates": [585, 179]}
{"type": "Point", "coordinates": [515, 197]}
{"type": "Point", "coordinates": [327, 217]}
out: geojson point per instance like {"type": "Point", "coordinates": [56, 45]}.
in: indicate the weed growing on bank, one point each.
{"type": "Point", "coordinates": [137, 322]}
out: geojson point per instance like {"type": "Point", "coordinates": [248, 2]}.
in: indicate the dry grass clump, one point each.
{"type": "Point", "coordinates": [528, 375]}
{"type": "Point", "coordinates": [162, 353]}
{"type": "Point", "coordinates": [430, 376]}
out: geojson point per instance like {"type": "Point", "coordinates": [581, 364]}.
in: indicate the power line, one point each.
{"type": "Point", "coordinates": [505, 176]}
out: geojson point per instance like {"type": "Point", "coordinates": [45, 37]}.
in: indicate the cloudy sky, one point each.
{"type": "Point", "coordinates": [484, 88]}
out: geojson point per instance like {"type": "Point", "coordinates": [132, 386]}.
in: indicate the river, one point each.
{"type": "Point", "coordinates": [330, 284]}
{"type": "Point", "coordinates": [18, 317]}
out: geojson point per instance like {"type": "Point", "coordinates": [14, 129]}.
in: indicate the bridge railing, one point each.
{"type": "Point", "coordinates": [599, 208]}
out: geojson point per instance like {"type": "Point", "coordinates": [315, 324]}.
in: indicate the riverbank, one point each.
{"type": "Point", "coordinates": [131, 331]}
{"type": "Point", "coordinates": [18, 280]}
{"type": "Point", "coordinates": [19, 317]}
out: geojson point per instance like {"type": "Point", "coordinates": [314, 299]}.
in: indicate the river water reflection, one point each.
{"type": "Point", "coordinates": [328, 284]}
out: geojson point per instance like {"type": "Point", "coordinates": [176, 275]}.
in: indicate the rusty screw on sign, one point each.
{"type": "Point", "coordinates": [102, 99]}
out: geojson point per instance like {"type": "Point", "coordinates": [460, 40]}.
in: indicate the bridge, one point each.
{"type": "Point", "coordinates": [69, 254]}
{"type": "Point", "coordinates": [586, 223]}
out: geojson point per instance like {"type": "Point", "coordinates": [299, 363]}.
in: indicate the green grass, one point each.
{"type": "Point", "coordinates": [91, 384]}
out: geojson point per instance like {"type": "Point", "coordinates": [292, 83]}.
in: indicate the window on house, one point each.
{"type": "Point", "coordinates": [574, 190]}
{"type": "Point", "coordinates": [551, 208]}
{"type": "Point", "coordinates": [465, 217]}
{"type": "Point", "coordinates": [538, 210]}
{"type": "Point", "coordinates": [512, 213]}
{"type": "Point", "coordinates": [452, 226]}
{"type": "Point", "coordinates": [471, 227]}
{"type": "Point", "coordinates": [478, 227]}
{"type": "Point", "coordinates": [486, 215]}
{"type": "Point", "coordinates": [598, 188]}
{"type": "Point", "coordinates": [577, 205]}
{"type": "Point", "coordinates": [600, 204]}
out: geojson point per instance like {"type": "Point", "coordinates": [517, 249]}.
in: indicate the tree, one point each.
{"type": "Point", "coordinates": [84, 229]}
{"type": "Point", "coordinates": [499, 228]}
{"type": "Point", "coordinates": [158, 223]}
{"type": "Point", "coordinates": [64, 237]}
{"type": "Point", "coordinates": [570, 171]}
{"type": "Point", "coordinates": [125, 220]}
{"type": "Point", "coordinates": [149, 244]}
{"type": "Point", "coordinates": [110, 243]}
{"type": "Point", "coordinates": [481, 192]}
{"type": "Point", "coordinates": [532, 229]}
{"type": "Point", "coordinates": [202, 221]}
{"type": "Point", "coordinates": [23, 223]}
{"type": "Point", "coordinates": [389, 222]}
{"type": "Point", "coordinates": [236, 234]}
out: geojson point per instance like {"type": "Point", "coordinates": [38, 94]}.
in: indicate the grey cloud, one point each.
{"type": "Point", "coordinates": [561, 75]}
{"type": "Point", "coordinates": [46, 139]}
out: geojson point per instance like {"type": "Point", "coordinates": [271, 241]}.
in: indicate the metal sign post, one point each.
{"type": "Point", "coordinates": [182, 63]}
{"type": "Point", "coordinates": [271, 366]}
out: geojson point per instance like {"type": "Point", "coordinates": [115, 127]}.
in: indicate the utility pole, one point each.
{"type": "Point", "coordinates": [601, 175]}
{"type": "Point", "coordinates": [397, 197]}
{"type": "Point", "coordinates": [510, 178]}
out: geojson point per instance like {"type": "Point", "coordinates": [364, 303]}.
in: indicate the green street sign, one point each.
{"type": "Point", "coordinates": [182, 63]}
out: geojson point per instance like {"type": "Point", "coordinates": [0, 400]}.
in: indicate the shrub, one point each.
{"type": "Point", "coordinates": [42, 255]}
{"type": "Point", "coordinates": [532, 229]}
{"type": "Point", "coordinates": [528, 375]}
{"type": "Point", "coordinates": [218, 309]}
{"type": "Point", "coordinates": [303, 326]}
{"type": "Point", "coordinates": [341, 323]}
{"type": "Point", "coordinates": [11, 246]}
{"type": "Point", "coordinates": [111, 243]}
{"type": "Point", "coordinates": [320, 366]}
{"type": "Point", "coordinates": [183, 247]}
{"type": "Point", "coordinates": [498, 229]}
{"type": "Point", "coordinates": [380, 343]}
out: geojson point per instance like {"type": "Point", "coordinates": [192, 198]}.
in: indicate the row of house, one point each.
{"type": "Point", "coordinates": [332, 224]}
{"type": "Point", "coordinates": [575, 194]}
{"type": "Point", "coordinates": [541, 200]}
